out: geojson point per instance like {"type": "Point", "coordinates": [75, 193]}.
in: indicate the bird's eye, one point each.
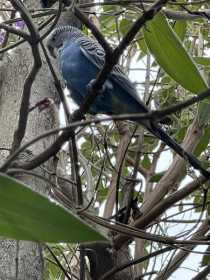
{"type": "Point", "coordinates": [60, 45]}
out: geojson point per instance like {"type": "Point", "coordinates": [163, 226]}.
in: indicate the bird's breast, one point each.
{"type": "Point", "coordinates": [76, 69]}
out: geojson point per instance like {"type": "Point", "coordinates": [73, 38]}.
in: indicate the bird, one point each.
{"type": "Point", "coordinates": [80, 60]}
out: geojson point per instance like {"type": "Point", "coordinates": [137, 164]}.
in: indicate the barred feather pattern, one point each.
{"type": "Point", "coordinates": [95, 54]}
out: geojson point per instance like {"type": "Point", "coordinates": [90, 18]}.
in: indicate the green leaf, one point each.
{"type": "Point", "coordinates": [28, 215]}
{"type": "Point", "coordinates": [205, 164]}
{"type": "Point", "coordinates": [206, 258]}
{"type": "Point", "coordinates": [202, 145]}
{"type": "Point", "coordinates": [142, 45]}
{"type": "Point", "coordinates": [181, 133]}
{"type": "Point", "coordinates": [125, 25]}
{"type": "Point", "coordinates": [204, 111]}
{"type": "Point", "coordinates": [156, 178]}
{"type": "Point", "coordinates": [102, 194]}
{"type": "Point", "coordinates": [180, 28]}
{"type": "Point", "coordinates": [171, 55]}
{"type": "Point", "coordinates": [205, 61]}
{"type": "Point", "coordinates": [198, 199]}
{"type": "Point", "coordinates": [146, 162]}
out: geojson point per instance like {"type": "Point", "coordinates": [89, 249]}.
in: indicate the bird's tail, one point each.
{"type": "Point", "coordinates": [156, 130]}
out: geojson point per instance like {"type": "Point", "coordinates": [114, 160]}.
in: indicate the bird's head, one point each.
{"type": "Point", "coordinates": [59, 36]}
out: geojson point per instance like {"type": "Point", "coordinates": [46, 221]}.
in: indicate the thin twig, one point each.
{"type": "Point", "coordinates": [116, 269]}
{"type": "Point", "coordinates": [37, 62]}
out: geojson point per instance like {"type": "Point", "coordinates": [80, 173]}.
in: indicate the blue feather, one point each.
{"type": "Point", "coordinates": [78, 70]}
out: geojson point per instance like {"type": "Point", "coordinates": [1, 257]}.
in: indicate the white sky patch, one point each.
{"type": "Point", "coordinates": [164, 160]}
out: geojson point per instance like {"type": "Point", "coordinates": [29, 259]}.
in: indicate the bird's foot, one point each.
{"type": "Point", "coordinates": [91, 87]}
{"type": "Point", "coordinates": [78, 115]}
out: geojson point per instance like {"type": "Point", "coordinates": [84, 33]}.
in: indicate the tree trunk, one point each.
{"type": "Point", "coordinates": [20, 259]}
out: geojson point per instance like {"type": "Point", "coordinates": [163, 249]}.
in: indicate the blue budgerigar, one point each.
{"type": "Point", "coordinates": [80, 59]}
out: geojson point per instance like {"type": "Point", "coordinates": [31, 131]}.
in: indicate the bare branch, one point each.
{"type": "Point", "coordinates": [161, 207]}
{"type": "Point", "coordinates": [37, 62]}
{"type": "Point", "coordinates": [202, 275]}
{"type": "Point", "coordinates": [182, 255]}
{"type": "Point", "coordinates": [116, 269]}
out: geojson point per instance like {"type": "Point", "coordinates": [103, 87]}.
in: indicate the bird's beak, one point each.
{"type": "Point", "coordinates": [51, 51]}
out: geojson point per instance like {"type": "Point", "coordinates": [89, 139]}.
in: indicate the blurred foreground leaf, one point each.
{"type": "Point", "coordinates": [28, 215]}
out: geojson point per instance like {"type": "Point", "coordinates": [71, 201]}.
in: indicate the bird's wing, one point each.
{"type": "Point", "coordinates": [96, 55]}
{"type": "Point", "coordinates": [92, 51]}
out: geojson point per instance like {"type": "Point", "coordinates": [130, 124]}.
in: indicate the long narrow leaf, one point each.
{"type": "Point", "coordinates": [28, 215]}
{"type": "Point", "coordinates": [171, 55]}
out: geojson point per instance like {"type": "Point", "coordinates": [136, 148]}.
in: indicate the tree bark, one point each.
{"type": "Point", "coordinates": [20, 259]}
